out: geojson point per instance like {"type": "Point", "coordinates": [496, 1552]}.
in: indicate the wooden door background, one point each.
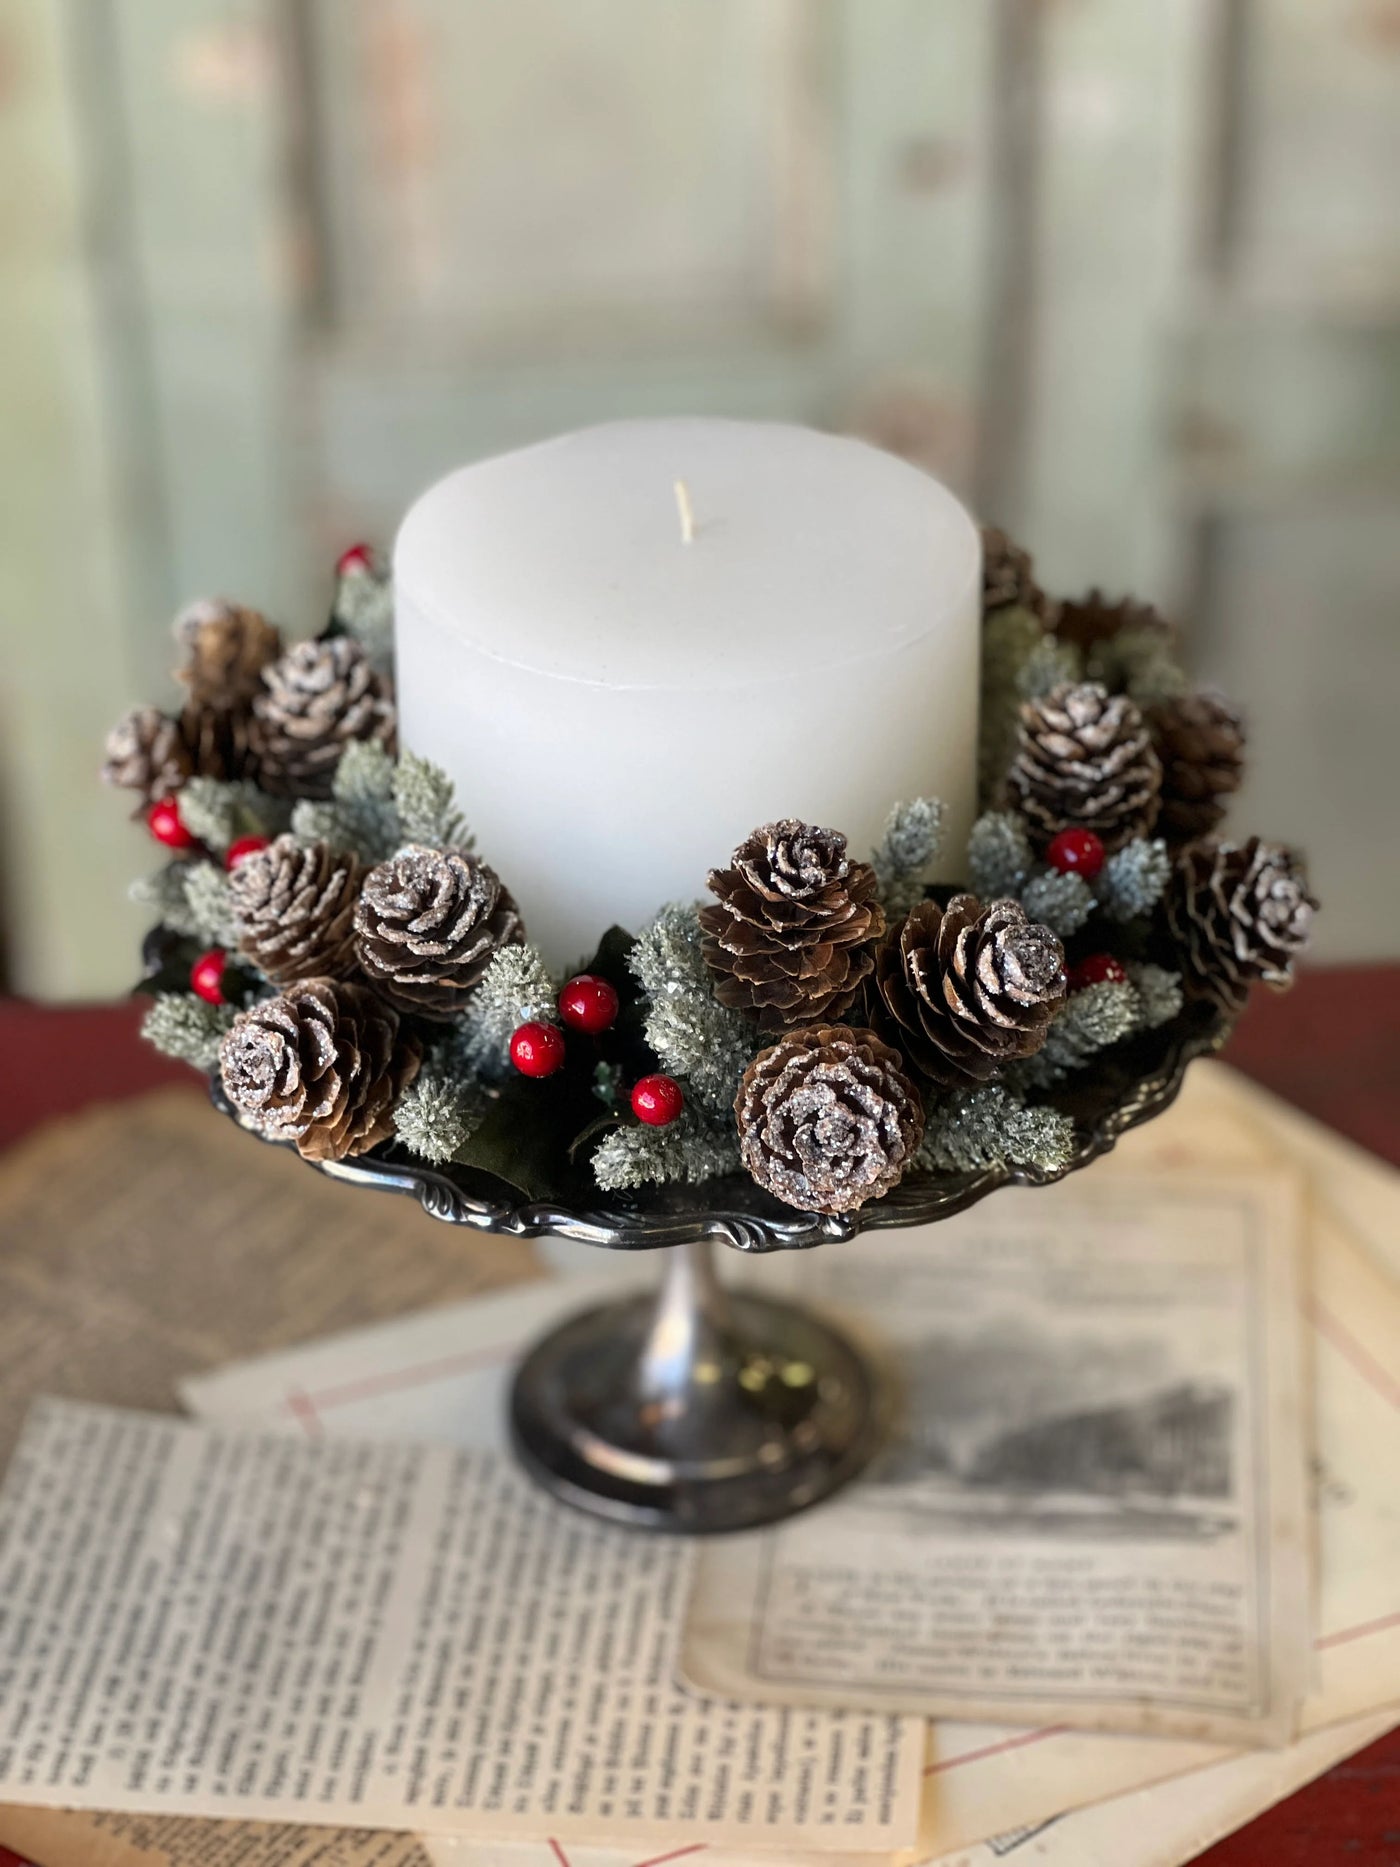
{"type": "Point", "coordinates": [1126, 273]}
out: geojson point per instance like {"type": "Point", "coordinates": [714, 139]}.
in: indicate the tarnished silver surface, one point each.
{"type": "Point", "coordinates": [692, 1410]}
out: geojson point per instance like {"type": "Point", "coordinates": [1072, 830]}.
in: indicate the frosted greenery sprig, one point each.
{"type": "Point", "coordinates": [440, 1110]}
{"type": "Point", "coordinates": [210, 904]}
{"type": "Point", "coordinates": [1000, 861]}
{"type": "Point", "coordinates": [188, 1029]}
{"type": "Point", "coordinates": [1009, 637]}
{"type": "Point", "coordinates": [912, 839]}
{"type": "Point", "coordinates": [1062, 902]}
{"type": "Point", "coordinates": [980, 1128]}
{"type": "Point", "coordinates": [1160, 996]}
{"type": "Point", "coordinates": [426, 805]}
{"type": "Point", "coordinates": [1132, 880]}
{"type": "Point", "coordinates": [690, 1032]}
{"type": "Point", "coordinates": [999, 855]}
{"type": "Point", "coordinates": [1089, 1021]}
{"type": "Point", "coordinates": [190, 897]}
{"type": "Point", "coordinates": [1139, 661]}
{"type": "Point", "coordinates": [377, 805]}
{"type": "Point", "coordinates": [364, 608]}
{"type": "Point", "coordinates": [1049, 663]}
{"type": "Point", "coordinates": [694, 1147]}
{"type": "Point", "coordinates": [218, 813]}
{"type": "Point", "coordinates": [163, 893]}
{"type": "Point", "coordinates": [359, 815]}
{"type": "Point", "coordinates": [516, 988]}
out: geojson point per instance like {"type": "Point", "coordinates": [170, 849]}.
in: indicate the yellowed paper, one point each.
{"type": "Point", "coordinates": [141, 1242]}
{"type": "Point", "coordinates": [1165, 1825]}
{"type": "Point", "coordinates": [56, 1838]}
{"type": "Point", "coordinates": [1358, 1188]}
{"type": "Point", "coordinates": [381, 1636]}
{"type": "Point", "coordinates": [145, 1242]}
{"type": "Point", "coordinates": [442, 1375]}
{"type": "Point", "coordinates": [1352, 1312]}
{"type": "Point", "coordinates": [1091, 1512]}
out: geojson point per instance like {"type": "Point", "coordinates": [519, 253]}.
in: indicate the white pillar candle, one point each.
{"type": "Point", "coordinates": [631, 645]}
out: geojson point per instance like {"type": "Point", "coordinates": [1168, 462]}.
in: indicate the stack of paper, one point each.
{"type": "Point", "coordinates": [1092, 1529]}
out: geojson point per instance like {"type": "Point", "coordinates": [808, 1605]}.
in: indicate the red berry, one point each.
{"type": "Point", "coordinates": [657, 1101]}
{"type": "Point", "coordinates": [165, 825]}
{"type": "Point", "coordinates": [1097, 969]}
{"type": "Point", "coordinates": [588, 1003]}
{"type": "Point", "coordinates": [241, 848]}
{"type": "Point", "coordinates": [207, 976]}
{"type": "Point", "coordinates": [1076, 852]}
{"type": "Point", "coordinates": [358, 557]}
{"type": "Point", "coordinates": [537, 1049]}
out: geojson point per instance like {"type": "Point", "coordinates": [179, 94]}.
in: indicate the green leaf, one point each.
{"type": "Point", "coordinates": [610, 961]}
{"type": "Point", "coordinates": [591, 1133]}
{"type": "Point", "coordinates": [519, 1140]}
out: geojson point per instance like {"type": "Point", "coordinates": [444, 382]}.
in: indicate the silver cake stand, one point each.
{"type": "Point", "coordinates": [692, 1409]}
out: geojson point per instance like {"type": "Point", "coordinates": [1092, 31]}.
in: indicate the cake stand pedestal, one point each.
{"type": "Point", "coordinates": [694, 1409]}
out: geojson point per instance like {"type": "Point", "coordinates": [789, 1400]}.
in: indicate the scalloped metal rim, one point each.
{"type": "Point", "coordinates": [918, 1200]}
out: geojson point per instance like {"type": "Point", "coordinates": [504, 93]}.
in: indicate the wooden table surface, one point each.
{"type": "Point", "coordinates": [1331, 1047]}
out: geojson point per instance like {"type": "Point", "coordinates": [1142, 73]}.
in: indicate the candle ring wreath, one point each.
{"type": "Point", "coordinates": [826, 1042]}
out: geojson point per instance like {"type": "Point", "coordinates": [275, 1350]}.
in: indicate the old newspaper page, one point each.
{"type": "Point", "coordinates": [442, 1374]}
{"type": "Point", "coordinates": [195, 1621]}
{"type": "Point", "coordinates": [1092, 1510]}
{"type": "Point", "coordinates": [145, 1242]}
{"type": "Point", "coordinates": [441, 1377]}
{"type": "Point", "coordinates": [56, 1838]}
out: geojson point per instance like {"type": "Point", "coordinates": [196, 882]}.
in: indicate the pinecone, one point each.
{"type": "Point", "coordinates": [1240, 913]}
{"type": "Point", "coordinates": [223, 742]}
{"type": "Point", "coordinates": [1093, 618]}
{"type": "Point", "coordinates": [1084, 760]}
{"type": "Point", "coordinates": [146, 752]}
{"type": "Point", "coordinates": [295, 908]}
{"type": "Point", "coordinates": [966, 989]}
{"type": "Point", "coordinates": [428, 923]}
{"type": "Point", "coordinates": [316, 699]}
{"type": "Point", "coordinates": [1008, 576]}
{"type": "Point", "coordinates": [790, 938]}
{"type": "Point", "coordinates": [323, 1066]}
{"type": "Point", "coordinates": [226, 649]}
{"type": "Point", "coordinates": [828, 1119]}
{"type": "Point", "coordinates": [1200, 742]}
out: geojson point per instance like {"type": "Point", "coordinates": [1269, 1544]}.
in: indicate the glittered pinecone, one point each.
{"type": "Point", "coordinates": [428, 923]}
{"type": "Point", "coordinates": [828, 1119]}
{"type": "Point", "coordinates": [965, 989]}
{"type": "Point", "coordinates": [323, 1066]}
{"type": "Point", "coordinates": [295, 909]}
{"type": "Point", "coordinates": [1008, 576]}
{"type": "Point", "coordinates": [1240, 913]}
{"type": "Point", "coordinates": [147, 753]}
{"type": "Point", "coordinates": [1200, 742]}
{"type": "Point", "coordinates": [790, 938]}
{"type": "Point", "coordinates": [226, 649]}
{"type": "Point", "coordinates": [1088, 620]}
{"type": "Point", "coordinates": [314, 701]}
{"type": "Point", "coordinates": [1084, 760]}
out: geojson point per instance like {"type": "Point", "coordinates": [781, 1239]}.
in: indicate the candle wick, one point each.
{"type": "Point", "coordinates": [687, 512]}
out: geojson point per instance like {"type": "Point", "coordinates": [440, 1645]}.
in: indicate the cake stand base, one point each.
{"type": "Point", "coordinates": [693, 1410]}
